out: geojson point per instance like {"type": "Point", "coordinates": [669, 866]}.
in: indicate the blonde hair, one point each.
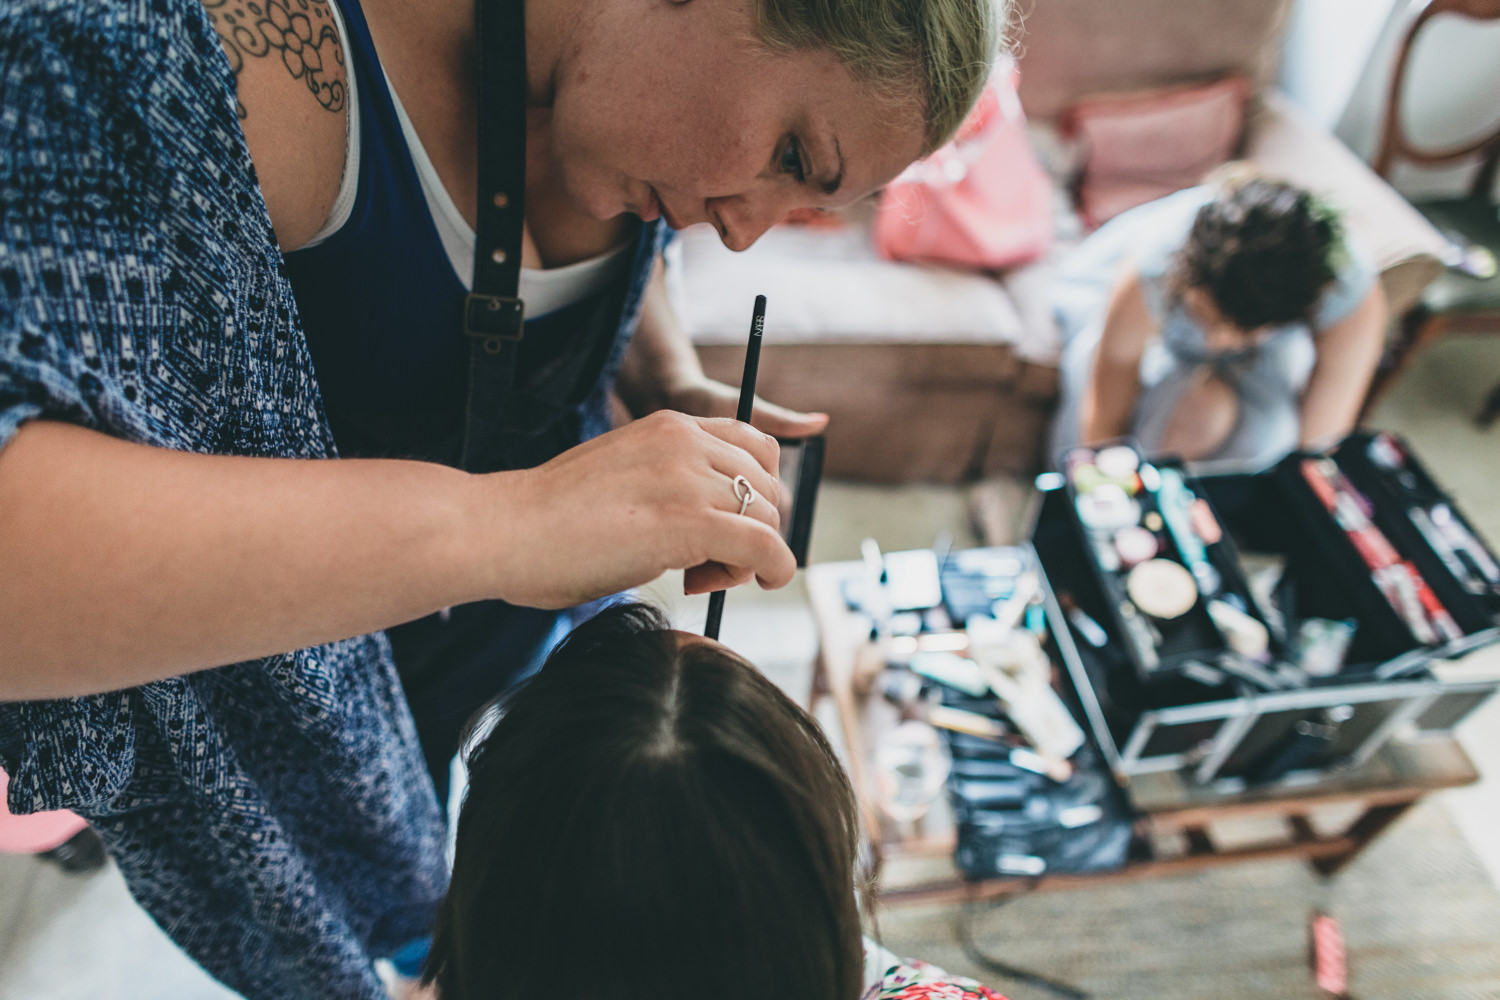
{"type": "Point", "coordinates": [937, 51]}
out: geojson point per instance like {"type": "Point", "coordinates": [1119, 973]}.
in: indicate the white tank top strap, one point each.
{"type": "Point", "coordinates": [543, 290]}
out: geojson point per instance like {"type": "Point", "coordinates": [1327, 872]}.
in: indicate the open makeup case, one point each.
{"type": "Point", "coordinates": [1252, 628]}
{"type": "Point", "coordinates": [1241, 630]}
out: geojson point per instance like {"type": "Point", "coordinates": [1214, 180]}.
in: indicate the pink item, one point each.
{"type": "Point", "coordinates": [982, 201]}
{"type": "Point", "coordinates": [35, 833]}
{"type": "Point", "coordinates": [1143, 146]}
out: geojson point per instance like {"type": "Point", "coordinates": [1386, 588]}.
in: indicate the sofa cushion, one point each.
{"type": "Point", "coordinates": [828, 285]}
{"type": "Point", "coordinates": [1144, 145]}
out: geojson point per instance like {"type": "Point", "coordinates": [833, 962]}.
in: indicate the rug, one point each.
{"type": "Point", "coordinates": [1421, 921]}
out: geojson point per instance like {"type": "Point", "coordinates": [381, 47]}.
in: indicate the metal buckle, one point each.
{"type": "Point", "coordinates": [493, 319]}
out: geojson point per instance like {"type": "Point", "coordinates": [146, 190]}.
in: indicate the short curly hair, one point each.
{"type": "Point", "coordinates": [1264, 251]}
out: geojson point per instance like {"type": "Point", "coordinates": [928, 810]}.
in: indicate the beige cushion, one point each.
{"type": "Point", "coordinates": [828, 286]}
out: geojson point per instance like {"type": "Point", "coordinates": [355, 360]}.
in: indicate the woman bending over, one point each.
{"type": "Point", "coordinates": [1233, 321]}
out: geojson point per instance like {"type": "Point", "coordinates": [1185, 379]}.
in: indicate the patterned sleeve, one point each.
{"type": "Point", "coordinates": [888, 977]}
{"type": "Point", "coordinates": [136, 258]}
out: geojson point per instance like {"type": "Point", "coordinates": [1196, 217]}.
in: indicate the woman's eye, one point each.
{"type": "Point", "coordinates": [791, 161]}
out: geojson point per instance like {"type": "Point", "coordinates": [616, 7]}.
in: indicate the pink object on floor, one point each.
{"type": "Point", "coordinates": [35, 833]}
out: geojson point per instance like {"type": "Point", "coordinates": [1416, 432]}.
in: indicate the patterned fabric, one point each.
{"type": "Point", "coordinates": [890, 978]}
{"type": "Point", "coordinates": [141, 294]}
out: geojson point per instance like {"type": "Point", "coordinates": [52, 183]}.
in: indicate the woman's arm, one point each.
{"type": "Point", "coordinates": [125, 564]}
{"type": "Point", "coordinates": [1348, 352]}
{"type": "Point", "coordinates": [661, 371]}
{"type": "Point", "coordinates": [1115, 381]}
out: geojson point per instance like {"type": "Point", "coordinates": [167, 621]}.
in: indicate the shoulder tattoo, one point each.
{"type": "Point", "coordinates": [300, 33]}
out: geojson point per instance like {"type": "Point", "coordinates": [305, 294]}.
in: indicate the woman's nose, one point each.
{"type": "Point", "coordinates": [743, 219]}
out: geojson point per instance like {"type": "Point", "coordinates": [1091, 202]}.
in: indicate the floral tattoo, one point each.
{"type": "Point", "coordinates": [300, 32]}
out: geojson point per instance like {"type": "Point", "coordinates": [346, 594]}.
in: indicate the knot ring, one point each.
{"type": "Point", "coordinates": [743, 492]}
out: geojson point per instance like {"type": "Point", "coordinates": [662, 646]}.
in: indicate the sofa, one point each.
{"type": "Point", "coordinates": [935, 374]}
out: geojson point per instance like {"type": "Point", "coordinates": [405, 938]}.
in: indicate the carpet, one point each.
{"type": "Point", "coordinates": [1420, 916]}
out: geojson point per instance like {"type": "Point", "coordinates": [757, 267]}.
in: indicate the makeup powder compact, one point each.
{"type": "Point", "coordinates": [1162, 589]}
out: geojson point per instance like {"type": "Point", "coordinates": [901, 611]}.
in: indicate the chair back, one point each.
{"type": "Point", "coordinates": [1396, 144]}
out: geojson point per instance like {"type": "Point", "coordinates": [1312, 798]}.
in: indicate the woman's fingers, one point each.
{"type": "Point", "coordinates": [622, 509]}
{"type": "Point", "coordinates": [741, 450]}
{"type": "Point", "coordinates": [706, 397]}
{"type": "Point", "coordinates": [709, 577]}
{"type": "Point", "coordinates": [778, 421]}
{"type": "Point", "coordinates": [745, 551]}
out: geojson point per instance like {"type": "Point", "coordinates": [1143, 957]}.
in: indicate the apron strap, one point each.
{"type": "Point", "coordinates": [493, 313]}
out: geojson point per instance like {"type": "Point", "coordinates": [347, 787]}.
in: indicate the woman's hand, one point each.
{"type": "Point", "coordinates": [620, 510]}
{"type": "Point", "coordinates": [661, 372]}
{"type": "Point", "coordinates": [1348, 354]}
{"type": "Point", "coordinates": [125, 563]}
{"type": "Point", "coordinates": [700, 396]}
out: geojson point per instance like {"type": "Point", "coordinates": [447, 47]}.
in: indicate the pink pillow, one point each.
{"type": "Point", "coordinates": [983, 201]}
{"type": "Point", "coordinates": [1143, 146]}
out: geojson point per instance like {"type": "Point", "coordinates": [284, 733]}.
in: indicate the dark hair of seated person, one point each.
{"type": "Point", "coordinates": [1264, 251]}
{"type": "Point", "coordinates": [651, 819]}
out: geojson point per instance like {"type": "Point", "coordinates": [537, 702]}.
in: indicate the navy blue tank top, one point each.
{"type": "Point", "coordinates": [381, 306]}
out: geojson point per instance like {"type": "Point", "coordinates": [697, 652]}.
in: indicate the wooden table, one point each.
{"type": "Point", "coordinates": [1176, 830]}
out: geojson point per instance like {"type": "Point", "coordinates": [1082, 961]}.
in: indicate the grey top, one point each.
{"type": "Point", "coordinates": [1268, 376]}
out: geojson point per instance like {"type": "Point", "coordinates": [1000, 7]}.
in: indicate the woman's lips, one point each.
{"type": "Point", "coordinates": [651, 210]}
{"type": "Point", "coordinates": [658, 208]}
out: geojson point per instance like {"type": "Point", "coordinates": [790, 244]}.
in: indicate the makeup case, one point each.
{"type": "Point", "coordinates": [1232, 730]}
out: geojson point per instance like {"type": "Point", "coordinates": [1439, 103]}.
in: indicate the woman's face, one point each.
{"type": "Point", "coordinates": [671, 109]}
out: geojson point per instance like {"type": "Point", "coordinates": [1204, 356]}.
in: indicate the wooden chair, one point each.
{"type": "Point", "coordinates": [1455, 302]}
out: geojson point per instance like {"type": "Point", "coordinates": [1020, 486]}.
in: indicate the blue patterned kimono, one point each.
{"type": "Point", "coordinates": [275, 817]}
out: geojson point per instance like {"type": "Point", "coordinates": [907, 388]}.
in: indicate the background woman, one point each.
{"type": "Point", "coordinates": [1233, 321]}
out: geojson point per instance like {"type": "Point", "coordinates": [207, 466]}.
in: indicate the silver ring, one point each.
{"type": "Point", "coordinates": [743, 492]}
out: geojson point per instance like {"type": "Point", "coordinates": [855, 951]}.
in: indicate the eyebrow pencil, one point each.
{"type": "Point", "coordinates": [747, 403]}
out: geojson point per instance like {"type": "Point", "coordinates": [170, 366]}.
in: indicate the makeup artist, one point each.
{"type": "Point", "coordinates": [239, 239]}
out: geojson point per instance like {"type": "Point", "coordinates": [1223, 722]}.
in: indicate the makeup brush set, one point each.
{"type": "Point", "coordinates": [961, 653]}
{"type": "Point", "coordinates": [1372, 588]}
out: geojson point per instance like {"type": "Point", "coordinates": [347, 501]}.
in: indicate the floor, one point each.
{"type": "Point", "coordinates": [63, 937]}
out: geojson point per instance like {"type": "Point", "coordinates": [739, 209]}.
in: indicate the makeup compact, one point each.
{"type": "Point", "coordinates": [1371, 590]}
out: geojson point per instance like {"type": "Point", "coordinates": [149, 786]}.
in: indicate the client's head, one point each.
{"type": "Point", "coordinates": [1262, 253]}
{"type": "Point", "coordinates": [651, 818]}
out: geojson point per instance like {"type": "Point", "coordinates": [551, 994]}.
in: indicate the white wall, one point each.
{"type": "Point", "coordinates": [1327, 45]}
{"type": "Point", "coordinates": [1337, 63]}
